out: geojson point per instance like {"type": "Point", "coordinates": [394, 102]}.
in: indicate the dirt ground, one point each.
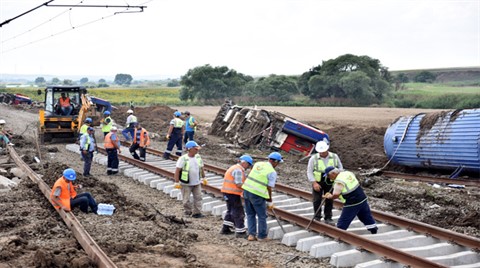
{"type": "Point", "coordinates": [149, 229]}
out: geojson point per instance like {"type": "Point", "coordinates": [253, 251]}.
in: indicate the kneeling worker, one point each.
{"type": "Point", "coordinates": [347, 187]}
{"type": "Point", "coordinates": [141, 140]}
{"type": "Point", "coordinates": [64, 196]}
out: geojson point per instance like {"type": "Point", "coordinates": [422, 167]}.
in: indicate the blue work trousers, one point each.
{"type": "Point", "coordinates": [128, 130]}
{"type": "Point", "coordinates": [175, 139]}
{"type": "Point", "coordinates": [188, 136]}
{"type": "Point", "coordinates": [112, 161]}
{"type": "Point", "coordinates": [66, 110]}
{"type": "Point", "coordinates": [362, 211]}
{"type": "Point", "coordinates": [4, 138]}
{"type": "Point", "coordinates": [87, 163]}
{"type": "Point", "coordinates": [235, 216]}
{"type": "Point", "coordinates": [84, 200]}
{"type": "Point", "coordinates": [256, 206]}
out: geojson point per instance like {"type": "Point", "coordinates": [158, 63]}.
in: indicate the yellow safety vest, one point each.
{"type": "Point", "coordinates": [319, 167]}
{"type": "Point", "coordinates": [83, 129]}
{"type": "Point", "coordinates": [107, 127]}
{"type": "Point", "coordinates": [257, 180]}
{"type": "Point", "coordinates": [190, 123]}
{"type": "Point", "coordinates": [186, 167]}
{"type": "Point", "coordinates": [350, 184]}
{"type": "Point", "coordinates": [178, 123]}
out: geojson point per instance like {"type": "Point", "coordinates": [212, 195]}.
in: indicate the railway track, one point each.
{"type": "Point", "coordinates": [399, 241]}
{"type": "Point", "coordinates": [82, 236]}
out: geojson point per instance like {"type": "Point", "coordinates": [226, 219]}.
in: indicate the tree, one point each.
{"type": "Point", "coordinates": [83, 80]}
{"type": "Point", "coordinates": [274, 87]}
{"type": "Point", "coordinates": [67, 82]}
{"type": "Point", "coordinates": [305, 77]}
{"type": "Point", "coordinates": [209, 83]}
{"type": "Point", "coordinates": [424, 77]}
{"type": "Point", "coordinates": [102, 81]}
{"type": "Point", "coordinates": [173, 83]}
{"type": "Point", "coordinates": [401, 78]}
{"type": "Point", "coordinates": [55, 81]}
{"type": "Point", "coordinates": [123, 79]}
{"type": "Point", "coordinates": [40, 81]}
{"type": "Point", "coordinates": [360, 78]}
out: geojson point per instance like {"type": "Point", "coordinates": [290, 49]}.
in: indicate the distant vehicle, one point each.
{"type": "Point", "coordinates": [15, 99]}
{"type": "Point", "coordinates": [264, 129]}
{"type": "Point", "coordinates": [52, 124]}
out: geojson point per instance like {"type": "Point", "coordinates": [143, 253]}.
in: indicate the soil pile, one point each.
{"type": "Point", "coordinates": [154, 119]}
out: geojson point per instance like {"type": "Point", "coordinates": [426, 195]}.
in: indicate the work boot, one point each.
{"type": "Point", "coordinates": [329, 221]}
{"type": "Point", "coordinates": [226, 230]}
{"type": "Point", "coordinates": [251, 238]}
{"type": "Point", "coordinates": [266, 239]}
{"type": "Point", "coordinates": [11, 144]}
{"type": "Point", "coordinates": [198, 215]}
{"type": "Point", "coordinates": [241, 235]}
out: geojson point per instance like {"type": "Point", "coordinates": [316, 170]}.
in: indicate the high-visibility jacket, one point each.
{"type": "Point", "coordinates": [319, 168]}
{"type": "Point", "coordinates": [178, 123]}
{"type": "Point", "coordinates": [144, 138]}
{"type": "Point", "coordinates": [189, 124]}
{"type": "Point", "coordinates": [67, 191]}
{"type": "Point", "coordinates": [257, 180]}
{"type": "Point", "coordinates": [84, 129]}
{"type": "Point", "coordinates": [107, 126]}
{"type": "Point", "coordinates": [108, 142]}
{"type": "Point", "coordinates": [352, 193]}
{"type": "Point", "coordinates": [229, 185]}
{"type": "Point", "coordinates": [186, 167]}
{"type": "Point", "coordinates": [64, 102]}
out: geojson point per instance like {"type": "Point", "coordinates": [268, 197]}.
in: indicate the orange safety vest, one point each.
{"type": "Point", "coordinates": [67, 192]}
{"type": "Point", "coordinates": [144, 138]}
{"type": "Point", "coordinates": [107, 142]}
{"type": "Point", "coordinates": [64, 102]}
{"type": "Point", "coordinates": [229, 185]}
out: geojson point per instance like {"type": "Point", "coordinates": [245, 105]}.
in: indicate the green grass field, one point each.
{"type": "Point", "coordinates": [426, 89]}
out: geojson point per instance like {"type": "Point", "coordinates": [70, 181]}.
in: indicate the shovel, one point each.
{"type": "Point", "coordinates": [278, 221]}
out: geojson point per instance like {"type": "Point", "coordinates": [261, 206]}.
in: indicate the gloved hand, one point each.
{"type": "Point", "coordinates": [204, 181]}
{"type": "Point", "coordinates": [177, 186]}
{"type": "Point", "coordinates": [168, 137]}
{"type": "Point", "coordinates": [78, 186]}
{"type": "Point", "coordinates": [327, 196]}
{"type": "Point", "coordinates": [270, 205]}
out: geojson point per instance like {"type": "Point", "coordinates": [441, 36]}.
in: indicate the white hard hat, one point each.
{"type": "Point", "coordinates": [129, 112]}
{"type": "Point", "coordinates": [2, 121]}
{"type": "Point", "coordinates": [113, 129]}
{"type": "Point", "coordinates": [322, 146]}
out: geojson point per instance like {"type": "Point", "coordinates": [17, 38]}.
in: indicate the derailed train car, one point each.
{"type": "Point", "coordinates": [252, 127]}
{"type": "Point", "coordinates": [447, 140]}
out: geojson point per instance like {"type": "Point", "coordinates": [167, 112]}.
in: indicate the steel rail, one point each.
{"type": "Point", "coordinates": [420, 227]}
{"type": "Point", "coordinates": [336, 233]}
{"type": "Point", "coordinates": [82, 236]}
{"type": "Point", "coordinates": [473, 182]}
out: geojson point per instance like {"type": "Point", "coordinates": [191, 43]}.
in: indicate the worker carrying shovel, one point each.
{"type": "Point", "coordinates": [320, 184]}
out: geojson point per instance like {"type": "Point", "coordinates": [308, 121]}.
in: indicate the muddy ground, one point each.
{"type": "Point", "coordinates": [149, 229]}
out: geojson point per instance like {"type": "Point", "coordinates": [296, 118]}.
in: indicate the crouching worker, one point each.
{"type": "Point", "coordinates": [347, 187]}
{"type": "Point", "coordinates": [140, 141]}
{"type": "Point", "coordinates": [64, 195]}
{"type": "Point", "coordinates": [232, 193]}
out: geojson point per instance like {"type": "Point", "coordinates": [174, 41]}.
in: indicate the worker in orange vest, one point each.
{"type": "Point", "coordinates": [140, 141]}
{"type": "Point", "coordinates": [112, 146]}
{"type": "Point", "coordinates": [232, 194]}
{"type": "Point", "coordinates": [65, 104]}
{"type": "Point", "coordinates": [64, 196]}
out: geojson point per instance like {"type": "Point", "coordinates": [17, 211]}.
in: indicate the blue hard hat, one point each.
{"type": "Point", "coordinates": [275, 156]}
{"type": "Point", "coordinates": [327, 170]}
{"type": "Point", "coordinates": [247, 159]}
{"type": "Point", "coordinates": [69, 174]}
{"type": "Point", "coordinates": [191, 144]}
{"type": "Point", "coordinates": [90, 128]}
{"type": "Point", "coordinates": [106, 113]}
{"type": "Point", "coordinates": [88, 120]}
{"type": "Point", "coordinates": [177, 113]}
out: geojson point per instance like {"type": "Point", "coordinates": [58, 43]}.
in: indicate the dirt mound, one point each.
{"type": "Point", "coordinates": [155, 118]}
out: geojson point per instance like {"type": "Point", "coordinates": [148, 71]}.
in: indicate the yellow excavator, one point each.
{"type": "Point", "coordinates": [61, 122]}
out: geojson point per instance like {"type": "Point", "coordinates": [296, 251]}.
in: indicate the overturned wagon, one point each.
{"type": "Point", "coordinates": [253, 127]}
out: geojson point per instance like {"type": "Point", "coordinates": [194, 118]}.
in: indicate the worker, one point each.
{"type": "Point", "coordinates": [65, 104]}
{"type": "Point", "coordinates": [257, 191]}
{"type": "Point", "coordinates": [347, 187]}
{"type": "Point", "coordinates": [321, 185]}
{"type": "Point", "coordinates": [88, 123]}
{"type": "Point", "coordinates": [112, 146]}
{"type": "Point", "coordinates": [140, 141]}
{"type": "Point", "coordinates": [129, 126]}
{"type": "Point", "coordinates": [232, 194]}
{"type": "Point", "coordinates": [189, 175]}
{"type": "Point", "coordinates": [175, 135]}
{"type": "Point", "coordinates": [64, 196]}
{"type": "Point", "coordinates": [5, 136]}
{"type": "Point", "coordinates": [106, 123]}
{"type": "Point", "coordinates": [87, 147]}
{"type": "Point", "coordinates": [190, 127]}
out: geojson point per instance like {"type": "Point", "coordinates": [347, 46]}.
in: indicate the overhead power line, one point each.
{"type": "Point", "coordinates": [24, 13]}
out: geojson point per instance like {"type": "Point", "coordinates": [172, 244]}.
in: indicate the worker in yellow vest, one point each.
{"type": "Point", "coordinates": [106, 123]}
{"type": "Point", "coordinates": [232, 194]}
{"type": "Point", "coordinates": [257, 191]}
{"type": "Point", "coordinates": [189, 175]}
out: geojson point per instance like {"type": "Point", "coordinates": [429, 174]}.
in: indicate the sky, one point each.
{"type": "Point", "coordinates": [254, 37]}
